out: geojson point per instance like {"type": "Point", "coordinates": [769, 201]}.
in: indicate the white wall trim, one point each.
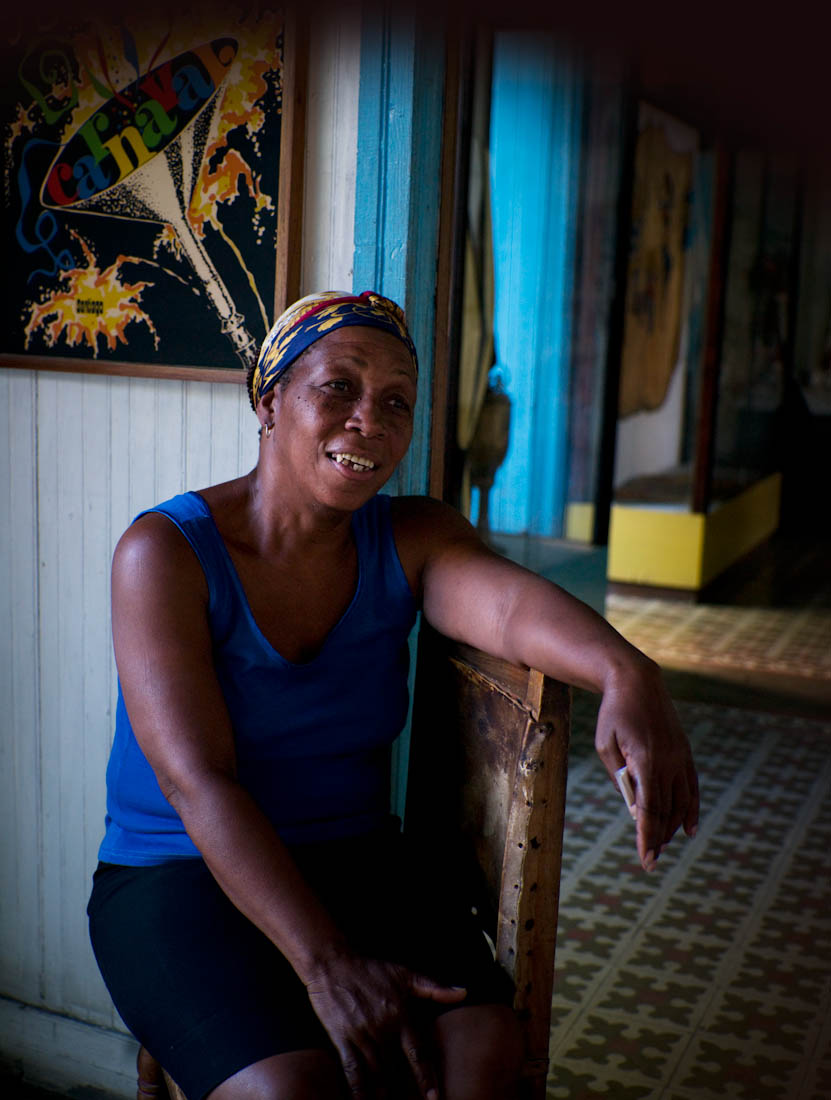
{"type": "Point", "coordinates": [57, 1052]}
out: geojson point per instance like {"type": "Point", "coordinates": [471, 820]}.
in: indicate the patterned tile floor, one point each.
{"type": "Point", "coordinates": [710, 978]}
{"type": "Point", "coordinates": [772, 641]}
{"type": "Point", "coordinates": [764, 626]}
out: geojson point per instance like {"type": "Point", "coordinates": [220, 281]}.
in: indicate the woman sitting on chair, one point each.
{"type": "Point", "coordinates": [256, 917]}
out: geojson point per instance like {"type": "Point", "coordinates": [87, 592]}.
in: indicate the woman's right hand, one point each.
{"type": "Point", "coordinates": [364, 1004]}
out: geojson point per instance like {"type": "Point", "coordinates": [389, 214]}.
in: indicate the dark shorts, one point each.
{"type": "Point", "coordinates": [208, 994]}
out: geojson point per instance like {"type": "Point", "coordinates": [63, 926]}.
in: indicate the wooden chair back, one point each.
{"type": "Point", "coordinates": [488, 763]}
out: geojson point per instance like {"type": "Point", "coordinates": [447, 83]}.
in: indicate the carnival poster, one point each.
{"type": "Point", "coordinates": [141, 166]}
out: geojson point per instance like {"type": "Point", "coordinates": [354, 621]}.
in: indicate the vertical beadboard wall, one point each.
{"type": "Point", "coordinates": [79, 456]}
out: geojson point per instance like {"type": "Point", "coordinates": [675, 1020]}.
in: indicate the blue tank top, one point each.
{"type": "Point", "coordinates": [312, 739]}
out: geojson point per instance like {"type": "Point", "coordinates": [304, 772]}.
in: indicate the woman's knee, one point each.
{"type": "Point", "coordinates": [482, 1053]}
{"type": "Point", "coordinates": [298, 1075]}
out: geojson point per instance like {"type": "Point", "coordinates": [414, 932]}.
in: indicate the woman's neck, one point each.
{"type": "Point", "coordinates": [277, 521]}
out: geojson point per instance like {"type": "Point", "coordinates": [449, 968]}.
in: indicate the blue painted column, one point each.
{"type": "Point", "coordinates": [400, 113]}
{"type": "Point", "coordinates": [535, 160]}
{"type": "Point", "coordinates": [398, 191]}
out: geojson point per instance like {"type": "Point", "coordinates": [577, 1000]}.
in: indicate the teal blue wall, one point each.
{"type": "Point", "coordinates": [536, 111]}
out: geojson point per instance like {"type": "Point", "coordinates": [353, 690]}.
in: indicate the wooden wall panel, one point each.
{"type": "Point", "coordinates": [169, 401]}
{"type": "Point", "coordinates": [234, 440]}
{"type": "Point", "coordinates": [85, 996]}
{"type": "Point", "coordinates": [106, 449]}
{"type": "Point", "coordinates": [331, 156]}
{"type": "Point", "coordinates": [60, 507]}
{"type": "Point", "coordinates": [198, 436]}
{"type": "Point", "coordinates": [119, 449]}
{"type": "Point", "coordinates": [142, 436]}
{"type": "Point", "coordinates": [74, 541]}
{"type": "Point", "coordinates": [20, 818]}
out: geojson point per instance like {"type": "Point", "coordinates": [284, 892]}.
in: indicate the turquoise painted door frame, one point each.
{"type": "Point", "coordinates": [398, 191]}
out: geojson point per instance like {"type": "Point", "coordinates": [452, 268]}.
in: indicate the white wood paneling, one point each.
{"type": "Point", "coordinates": [169, 430]}
{"type": "Point", "coordinates": [232, 421]}
{"type": "Point", "coordinates": [80, 455]}
{"type": "Point", "coordinates": [60, 487]}
{"type": "Point", "coordinates": [198, 436]}
{"type": "Point", "coordinates": [20, 806]}
{"type": "Point", "coordinates": [142, 436]}
{"type": "Point", "coordinates": [331, 155]}
{"type": "Point", "coordinates": [67, 1056]}
{"type": "Point", "coordinates": [84, 995]}
{"type": "Point", "coordinates": [119, 445]}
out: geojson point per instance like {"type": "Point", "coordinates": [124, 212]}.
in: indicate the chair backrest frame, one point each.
{"type": "Point", "coordinates": [493, 738]}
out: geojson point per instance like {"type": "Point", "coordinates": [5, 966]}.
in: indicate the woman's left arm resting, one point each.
{"type": "Point", "coordinates": [473, 595]}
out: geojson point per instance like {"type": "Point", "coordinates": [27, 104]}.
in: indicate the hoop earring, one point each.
{"type": "Point", "coordinates": [269, 428]}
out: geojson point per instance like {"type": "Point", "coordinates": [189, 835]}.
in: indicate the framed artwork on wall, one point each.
{"type": "Point", "coordinates": [152, 174]}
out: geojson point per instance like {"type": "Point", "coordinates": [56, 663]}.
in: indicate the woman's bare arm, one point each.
{"type": "Point", "coordinates": [473, 595]}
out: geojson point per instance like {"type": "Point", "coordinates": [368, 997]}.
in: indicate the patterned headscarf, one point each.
{"type": "Point", "coordinates": [314, 316]}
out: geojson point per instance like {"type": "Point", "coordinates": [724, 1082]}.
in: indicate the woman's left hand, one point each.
{"type": "Point", "coordinates": [637, 725]}
{"type": "Point", "coordinates": [365, 1005]}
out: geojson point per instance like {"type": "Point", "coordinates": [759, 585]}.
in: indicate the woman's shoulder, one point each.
{"type": "Point", "coordinates": [427, 518]}
{"type": "Point", "coordinates": [178, 520]}
{"type": "Point", "coordinates": [155, 550]}
{"type": "Point", "coordinates": [152, 540]}
{"type": "Point", "coordinates": [424, 527]}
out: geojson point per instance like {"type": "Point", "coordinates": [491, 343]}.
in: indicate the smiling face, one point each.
{"type": "Point", "coordinates": [344, 418]}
